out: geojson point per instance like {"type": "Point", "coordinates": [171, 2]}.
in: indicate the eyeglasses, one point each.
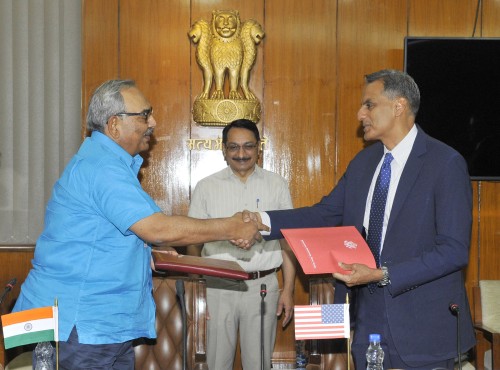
{"type": "Point", "coordinates": [247, 147]}
{"type": "Point", "coordinates": [146, 114]}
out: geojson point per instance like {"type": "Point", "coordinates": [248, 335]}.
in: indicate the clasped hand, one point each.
{"type": "Point", "coordinates": [253, 222]}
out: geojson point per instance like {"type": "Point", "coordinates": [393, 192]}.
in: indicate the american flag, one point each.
{"type": "Point", "coordinates": [322, 321]}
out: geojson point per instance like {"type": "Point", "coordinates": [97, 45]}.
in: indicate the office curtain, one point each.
{"type": "Point", "coordinates": [40, 108]}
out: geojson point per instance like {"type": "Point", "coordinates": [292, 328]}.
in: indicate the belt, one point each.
{"type": "Point", "coordinates": [260, 274]}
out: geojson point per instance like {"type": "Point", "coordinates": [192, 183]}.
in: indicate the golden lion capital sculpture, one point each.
{"type": "Point", "coordinates": [226, 48]}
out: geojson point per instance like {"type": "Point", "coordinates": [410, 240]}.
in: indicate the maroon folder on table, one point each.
{"type": "Point", "coordinates": [199, 265]}
{"type": "Point", "coordinates": [319, 250]}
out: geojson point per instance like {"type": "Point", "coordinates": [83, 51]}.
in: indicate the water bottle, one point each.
{"type": "Point", "coordinates": [301, 355]}
{"type": "Point", "coordinates": [375, 354]}
{"type": "Point", "coordinates": [44, 356]}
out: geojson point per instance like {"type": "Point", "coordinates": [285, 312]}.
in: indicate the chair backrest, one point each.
{"type": "Point", "coordinates": [166, 352]}
{"type": "Point", "coordinates": [490, 304]}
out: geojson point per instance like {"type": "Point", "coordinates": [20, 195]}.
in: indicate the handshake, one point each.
{"type": "Point", "coordinates": [248, 226]}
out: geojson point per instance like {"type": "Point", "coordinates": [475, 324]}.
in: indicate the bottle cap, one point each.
{"type": "Point", "coordinates": [374, 337]}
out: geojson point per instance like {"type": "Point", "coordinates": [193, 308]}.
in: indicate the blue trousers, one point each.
{"type": "Point", "coordinates": [76, 356]}
{"type": "Point", "coordinates": [378, 323]}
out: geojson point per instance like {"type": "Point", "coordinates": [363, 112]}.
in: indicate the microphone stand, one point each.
{"type": "Point", "coordinates": [8, 288]}
{"type": "Point", "coordinates": [263, 292]}
{"type": "Point", "coordinates": [456, 311]}
{"type": "Point", "coordinates": [179, 287]}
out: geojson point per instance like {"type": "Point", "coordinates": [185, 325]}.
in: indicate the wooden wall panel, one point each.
{"type": "Point", "coordinates": [300, 93]}
{"type": "Point", "coordinates": [299, 112]}
{"type": "Point", "coordinates": [489, 231]}
{"type": "Point", "coordinates": [370, 37]}
{"type": "Point", "coordinates": [441, 18]}
{"type": "Point", "coordinates": [154, 51]}
{"type": "Point", "coordinates": [15, 262]}
{"type": "Point", "coordinates": [489, 16]}
{"type": "Point", "coordinates": [488, 204]}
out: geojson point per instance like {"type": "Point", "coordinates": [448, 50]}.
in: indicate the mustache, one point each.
{"type": "Point", "coordinates": [149, 131]}
{"type": "Point", "coordinates": [241, 158]}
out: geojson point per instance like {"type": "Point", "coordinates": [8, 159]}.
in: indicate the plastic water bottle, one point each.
{"type": "Point", "coordinates": [44, 356]}
{"type": "Point", "coordinates": [301, 355]}
{"type": "Point", "coordinates": [375, 354]}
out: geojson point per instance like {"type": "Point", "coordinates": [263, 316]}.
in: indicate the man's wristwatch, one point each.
{"type": "Point", "coordinates": [385, 279]}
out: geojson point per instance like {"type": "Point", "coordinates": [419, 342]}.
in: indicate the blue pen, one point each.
{"type": "Point", "coordinates": [257, 203]}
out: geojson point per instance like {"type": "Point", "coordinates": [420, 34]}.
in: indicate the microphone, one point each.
{"type": "Point", "coordinates": [454, 308]}
{"type": "Point", "coordinates": [8, 288]}
{"type": "Point", "coordinates": [263, 290]}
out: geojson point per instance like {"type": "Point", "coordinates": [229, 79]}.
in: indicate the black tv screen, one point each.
{"type": "Point", "coordinates": [459, 82]}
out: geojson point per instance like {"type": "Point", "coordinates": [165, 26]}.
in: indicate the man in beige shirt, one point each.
{"type": "Point", "coordinates": [234, 306]}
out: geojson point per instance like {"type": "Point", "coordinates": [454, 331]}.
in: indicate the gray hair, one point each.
{"type": "Point", "coordinates": [398, 84]}
{"type": "Point", "coordinates": [106, 101]}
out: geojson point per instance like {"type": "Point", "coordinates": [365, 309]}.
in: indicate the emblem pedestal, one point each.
{"type": "Point", "coordinates": [220, 112]}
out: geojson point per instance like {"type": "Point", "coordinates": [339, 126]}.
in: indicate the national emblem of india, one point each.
{"type": "Point", "coordinates": [225, 49]}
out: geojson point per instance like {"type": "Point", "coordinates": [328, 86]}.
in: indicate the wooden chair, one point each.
{"type": "Point", "coordinates": [487, 322]}
{"type": "Point", "coordinates": [166, 352]}
{"type": "Point", "coordinates": [326, 354]}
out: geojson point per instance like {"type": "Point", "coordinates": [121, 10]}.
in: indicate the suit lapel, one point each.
{"type": "Point", "coordinates": [409, 176]}
{"type": "Point", "coordinates": [364, 184]}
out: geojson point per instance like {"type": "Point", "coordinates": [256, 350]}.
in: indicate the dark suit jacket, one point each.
{"type": "Point", "coordinates": [426, 246]}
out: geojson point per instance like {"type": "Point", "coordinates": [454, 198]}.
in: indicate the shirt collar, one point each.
{"type": "Point", "coordinates": [401, 152]}
{"type": "Point", "coordinates": [257, 172]}
{"type": "Point", "coordinates": [134, 162]}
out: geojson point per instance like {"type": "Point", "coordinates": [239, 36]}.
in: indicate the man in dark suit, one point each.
{"type": "Point", "coordinates": [424, 233]}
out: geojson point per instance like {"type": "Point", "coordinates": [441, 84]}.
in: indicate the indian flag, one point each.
{"type": "Point", "coordinates": [30, 326]}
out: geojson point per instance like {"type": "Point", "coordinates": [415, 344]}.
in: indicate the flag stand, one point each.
{"type": "Point", "coordinates": [57, 338]}
{"type": "Point", "coordinates": [348, 339]}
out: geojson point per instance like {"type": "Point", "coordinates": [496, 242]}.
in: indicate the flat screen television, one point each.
{"type": "Point", "coordinates": [459, 82]}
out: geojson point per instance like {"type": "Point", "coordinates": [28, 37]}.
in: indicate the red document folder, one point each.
{"type": "Point", "coordinates": [199, 265]}
{"type": "Point", "coordinates": [319, 250]}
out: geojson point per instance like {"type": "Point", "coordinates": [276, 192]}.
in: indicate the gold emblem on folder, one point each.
{"type": "Point", "coordinates": [226, 49]}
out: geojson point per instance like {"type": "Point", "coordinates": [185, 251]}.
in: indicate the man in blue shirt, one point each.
{"type": "Point", "coordinates": [94, 253]}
